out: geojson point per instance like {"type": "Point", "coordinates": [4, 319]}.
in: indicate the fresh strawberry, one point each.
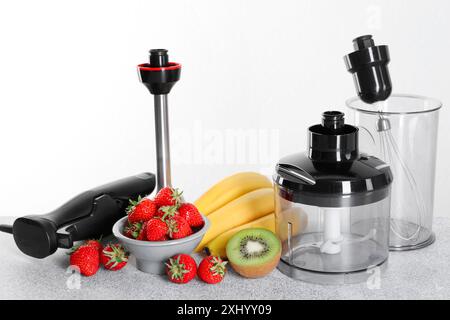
{"type": "Point", "coordinates": [142, 234]}
{"type": "Point", "coordinates": [92, 243]}
{"type": "Point", "coordinates": [157, 229]}
{"type": "Point", "coordinates": [128, 231]}
{"type": "Point", "coordinates": [168, 197]}
{"type": "Point", "coordinates": [181, 268]}
{"type": "Point", "coordinates": [141, 210]}
{"type": "Point", "coordinates": [135, 230]}
{"type": "Point", "coordinates": [167, 212]}
{"type": "Point", "coordinates": [190, 212]}
{"type": "Point", "coordinates": [114, 257]}
{"type": "Point", "coordinates": [132, 230]}
{"type": "Point", "coordinates": [178, 227]}
{"type": "Point", "coordinates": [96, 244]}
{"type": "Point", "coordinates": [86, 258]}
{"type": "Point", "coordinates": [212, 269]}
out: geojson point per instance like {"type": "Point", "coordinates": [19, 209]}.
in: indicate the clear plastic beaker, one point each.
{"type": "Point", "coordinates": [402, 131]}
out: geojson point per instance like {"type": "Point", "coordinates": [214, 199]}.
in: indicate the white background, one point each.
{"type": "Point", "coordinates": [74, 115]}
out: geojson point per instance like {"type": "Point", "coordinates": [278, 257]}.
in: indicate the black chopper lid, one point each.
{"type": "Point", "coordinates": [369, 66]}
{"type": "Point", "coordinates": [332, 173]}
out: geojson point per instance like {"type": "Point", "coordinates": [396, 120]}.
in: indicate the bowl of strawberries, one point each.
{"type": "Point", "coordinates": [156, 229]}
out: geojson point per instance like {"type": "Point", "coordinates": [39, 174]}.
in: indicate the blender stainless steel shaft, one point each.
{"type": "Point", "coordinates": [159, 76]}
{"type": "Point", "coordinates": [162, 141]}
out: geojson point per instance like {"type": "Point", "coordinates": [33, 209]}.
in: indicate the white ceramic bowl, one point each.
{"type": "Point", "coordinates": [151, 255]}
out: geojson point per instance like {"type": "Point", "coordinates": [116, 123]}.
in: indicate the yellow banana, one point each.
{"type": "Point", "coordinates": [217, 246]}
{"type": "Point", "coordinates": [242, 210]}
{"type": "Point", "coordinates": [229, 189]}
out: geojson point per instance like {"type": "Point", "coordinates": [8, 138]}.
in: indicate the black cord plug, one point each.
{"type": "Point", "coordinates": [6, 228]}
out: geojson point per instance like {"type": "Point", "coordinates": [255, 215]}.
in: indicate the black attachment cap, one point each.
{"type": "Point", "coordinates": [368, 64]}
{"type": "Point", "coordinates": [159, 58]}
{"type": "Point", "coordinates": [160, 75]}
{"type": "Point", "coordinates": [333, 145]}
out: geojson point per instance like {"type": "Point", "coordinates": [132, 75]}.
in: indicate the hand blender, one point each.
{"type": "Point", "coordinates": [159, 76]}
{"type": "Point", "coordinates": [89, 215]}
{"type": "Point", "coordinates": [93, 213]}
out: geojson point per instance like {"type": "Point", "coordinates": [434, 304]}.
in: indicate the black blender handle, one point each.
{"type": "Point", "coordinates": [83, 204]}
{"type": "Point", "coordinates": [88, 215]}
{"type": "Point", "coordinates": [74, 209]}
{"type": "Point", "coordinates": [105, 212]}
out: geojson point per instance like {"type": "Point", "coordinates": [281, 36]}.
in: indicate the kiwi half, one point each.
{"type": "Point", "coordinates": [254, 252]}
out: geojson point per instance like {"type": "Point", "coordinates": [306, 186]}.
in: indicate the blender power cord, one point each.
{"type": "Point", "coordinates": [6, 228]}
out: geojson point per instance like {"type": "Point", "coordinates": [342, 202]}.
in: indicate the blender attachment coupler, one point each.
{"type": "Point", "coordinates": [368, 64]}
{"type": "Point", "coordinates": [159, 76]}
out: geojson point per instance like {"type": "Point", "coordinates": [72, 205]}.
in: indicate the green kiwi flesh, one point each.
{"type": "Point", "coordinates": [254, 252]}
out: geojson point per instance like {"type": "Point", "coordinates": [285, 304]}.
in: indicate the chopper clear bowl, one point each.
{"type": "Point", "coordinates": [361, 251]}
{"type": "Point", "coordinates": [402, 131]}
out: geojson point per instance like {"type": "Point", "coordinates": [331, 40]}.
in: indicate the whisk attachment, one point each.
{"type": "Point", "coordinates": [383, 124]}
{"type": "Point", "coordinates": [369, 66]}
{"type": "Point", "coordinates": [391, 154]}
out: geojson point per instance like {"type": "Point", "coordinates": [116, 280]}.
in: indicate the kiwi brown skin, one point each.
{"type": "Point", "coordinates": [257, 271]}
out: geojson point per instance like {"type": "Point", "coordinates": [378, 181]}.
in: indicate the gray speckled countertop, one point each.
{"type": "Point", "coordinates": [422, 274]}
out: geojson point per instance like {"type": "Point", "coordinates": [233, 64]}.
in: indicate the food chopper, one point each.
{"type": "Point", "coordinates": [332, 207]}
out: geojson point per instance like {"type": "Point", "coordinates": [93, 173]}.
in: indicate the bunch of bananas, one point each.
{"type": "Point", "coordinates": [243, 200]}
